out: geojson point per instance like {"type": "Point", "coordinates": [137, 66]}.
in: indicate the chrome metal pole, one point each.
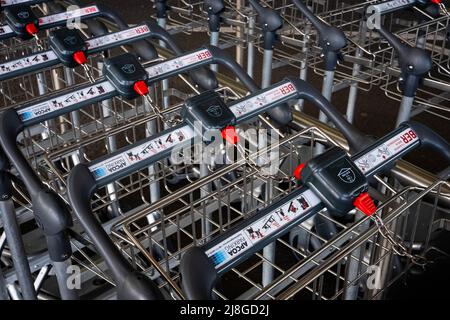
{"type": "Point", "coordinates": [214, 41]}
{"type": "Point", "coordinates": [404, 112]}
{"type": "Point", "coordinates": [267, 68]}
{"type": "Point", "coordinates": [251, 47]}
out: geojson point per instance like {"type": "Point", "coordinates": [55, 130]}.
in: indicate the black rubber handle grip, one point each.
{"type": "Point", "coordinates": [414, 62]}
{"type": "Point", "coordinates": [356, 140]}
{"type": "Point", "coordinates": [269, 21]}
{"type": "Point", "coordinates": [131, 285]}
{"type": "Point", "coordinates": [331, 39]}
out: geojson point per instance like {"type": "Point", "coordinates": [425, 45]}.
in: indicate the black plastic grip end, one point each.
{"type": "Point", "coordinates": [198, 275]}
{"type": "Point", "coordinates": [430, 139]}
{"type": "Point", "coordinates": [161, 8]}
{"type": "Point", "coordinates": [53, 217]}
{"type": "Point", "coordinates": [137, 286]}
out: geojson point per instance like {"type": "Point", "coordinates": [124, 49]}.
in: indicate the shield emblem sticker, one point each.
{"type": "Point", "coordinates": [347, 175]}
{"type": "Point", "coordinates": [215, 111]}
{"type": "Point", "coordinates": [70, 40]}
{"type": "Point", "coordinates": [129, 68]}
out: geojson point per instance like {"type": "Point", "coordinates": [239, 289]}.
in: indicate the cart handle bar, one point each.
{"type": "Point", "coordinates": [252, 235]}
{"type": "Point", "coordinates": [331, 39]}
{"type": "Point", "coordinates": [40, 60]}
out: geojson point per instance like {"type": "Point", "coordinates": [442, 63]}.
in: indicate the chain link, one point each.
{"type": "Point", "coordinates": [38, 42]}
{"type": "Point", "coordinates": [444, 9]}
{"type": "Point", "coordinates": [171, 121]}
{"type": "Point", "coordinates": [88, 73]}
{"type": "Point", "coordinates": [397, 244]}
{"type": "Point", "coordinates": [280, 177]}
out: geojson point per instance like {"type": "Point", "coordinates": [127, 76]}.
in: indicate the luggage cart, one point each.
{"type": "Point", "coordinates": [321, 188]}
{"type": "Point", "coordinates": [367, 265]}
{"type": "Point", "coordinates": [183, 211]}
{"type": "Point", "coordinates": [432, 96]}
{"type": "Point", "coordinates": [114, 167]}
{"type": "Point", "coordinates": [91, 129]}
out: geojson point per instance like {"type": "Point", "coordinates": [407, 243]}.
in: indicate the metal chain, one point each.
{"type": "Point", "coordinates": [444, 9]}
{"type": "Point", "coordinates": [172, 121]}
{"type": "Point", "coordinates": [88, 73]}
{"type": "Point", "coordinates": [38, 42]}
{"type": "Point", "coordinates": [278, 178]}
{"type": "Point", "coordinates": [398, 246]}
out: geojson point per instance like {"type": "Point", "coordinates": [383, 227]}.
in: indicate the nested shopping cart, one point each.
{"type": "Point", "coordinates": [185, 215]}
{"type": "Point", "coordinates": [365, 60]}
{"type": "Point", "coordinates": [91, 128]}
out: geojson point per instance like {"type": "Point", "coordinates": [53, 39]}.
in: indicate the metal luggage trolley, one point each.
{"type": "Point", "coordinates": [432, 96]}
{"type": "Point", "coordinates": [166, 251]}
{"type": "Point", "coordinates": [360, 263]}
{"type": "Point", "coordinates": [68, 128]}
{"type": "Point", "coordinates": [184, 215]}
{"type": "Point", "coordinates": [78, 142]}
{"type": "Point", "coordinates": [45, 81]}
{"type": "Point", "coordinates": [184, 212]}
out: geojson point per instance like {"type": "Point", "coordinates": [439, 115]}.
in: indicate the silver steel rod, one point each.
{"type": "Point", "coordinates": [251, 47]}
{"type": "Point", "coordinates": [303, 66]}
{"type": "Point", "coordinates": [3, 290]}
{"type": "Point", "coordinates": [327, 91]}
{"type": "Point", "coordinates": [267, 69]}
{"type": "Point", "coordinates": [404, 113]}
{"type": "Point", "coordinates": [162, 22]}
{"type": "Point", "coordinates": [214, 41]}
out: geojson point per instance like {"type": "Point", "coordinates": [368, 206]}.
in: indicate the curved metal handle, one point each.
{"type": "Point", "coordinates": [203, 77]}
{"type": "Point", "coordinates": [331, 39]}
{"type": "Point", "coordinates": [282, 114]}
{"type": "Point", "coordinates": [356, 140]}
{"type": "Point", "coordinates": [131, 285]}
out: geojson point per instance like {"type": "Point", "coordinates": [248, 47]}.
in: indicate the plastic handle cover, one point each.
{"type": "Point", "coordinates": [250, 236]}
{"type": "Point", "coordinates": [130, 284]}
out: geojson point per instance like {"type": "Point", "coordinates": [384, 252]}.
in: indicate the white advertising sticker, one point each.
{"type": "Point", "coordinates": [63, 16]}
{"type": "Point", "coordinates": [386, 151]}
{"type": "Point", "coordinates": [243, 240]}
{"type": "Point", "coordinates": [27, 62]}
{"type": "Point", "coordinates": [179, 62]}
{"type": "Point", "coordinates": [392, 5]}
{"type": "Point", "coordinates": [6, 3]}
{"type": "Point", "coordinates": [141, 152]}
{"type": "Point", "coordinates": [242, 108]}
{"type": "Point", "coordinates": [109, 39]}
{"type": "Point", "coordinates": [64, 101]}
{"type": "Point", "coordinates": [5, 30]}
